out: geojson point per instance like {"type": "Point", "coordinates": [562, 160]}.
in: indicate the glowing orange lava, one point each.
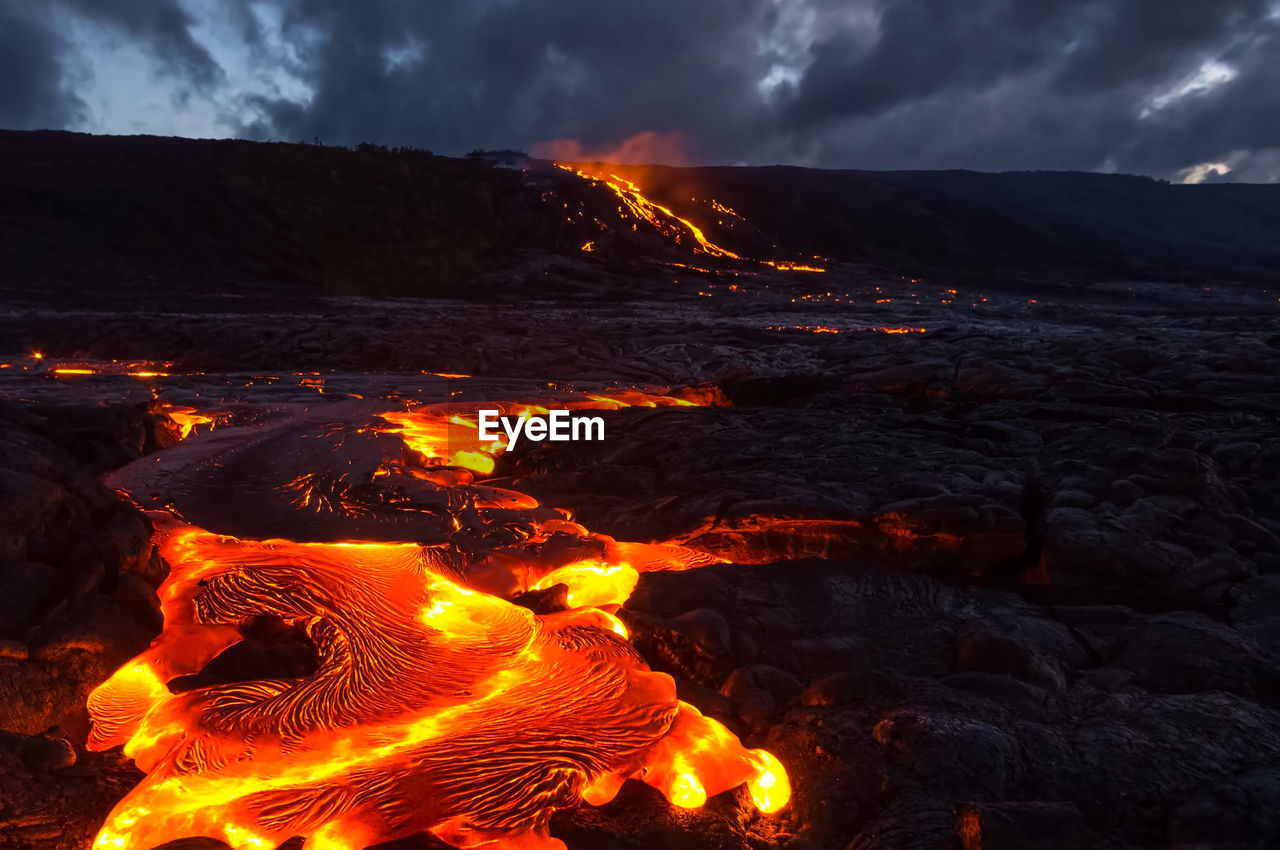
{"type": "Point", "coordinates": [449, 437]}
{"type": "Point", "coordinates": [788, 266]}
{"type": "Point", "coordinates": [665, 220]}
{"type": "Point", "coordinates": [434, 708]}
{"type": "Point", "coordinates": [656, 214]}
{"type": "Point", "coordinates": [437, 705]}
{"type": "Point", "coordinates": [186, 418]}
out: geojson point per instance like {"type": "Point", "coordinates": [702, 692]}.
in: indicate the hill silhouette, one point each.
{"type": "Point", "coordinates": [95, 212]}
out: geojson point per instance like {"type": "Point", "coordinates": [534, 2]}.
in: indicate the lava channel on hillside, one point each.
{"type": "Point", "coordinates": [635, 205]}
{"type": "Point", "coordinates": [472, 674]}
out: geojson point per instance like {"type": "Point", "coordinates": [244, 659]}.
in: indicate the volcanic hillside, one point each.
{"type": "Point", "coordinates": [104, 213]}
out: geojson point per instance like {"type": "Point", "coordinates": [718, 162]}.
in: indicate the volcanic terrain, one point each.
{"type": "Point", "coordinates": [953, 493]}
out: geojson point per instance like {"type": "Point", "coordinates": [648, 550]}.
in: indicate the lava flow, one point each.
{"type": "Point", "coordinates": [666, 221]}
{"type": "Point", "coordinates": [186, 418]}
{"type": "Point", "coordinates": [438, 704]}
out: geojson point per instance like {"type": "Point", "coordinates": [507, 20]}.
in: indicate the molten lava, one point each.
{"type": "Point", "coordinates": [435, 707]}
{"type": "Point", "coordinates": [665, 220]}
{"type": "Point", "coordinates": [446, 436]}
{"type": "Point", "coordinates": [662, 218]}
{"type": "Point", "coordinates": [186, 418]}
{"type": "Point", "coordinates": [789, 266]}
{"type": "Point", "coordinates": [437, 704]}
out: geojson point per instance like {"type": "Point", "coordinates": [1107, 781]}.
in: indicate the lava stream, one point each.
{"type": "Point", "coordinates": [437, 705]}
{"type": "Point", "coordinates": [667, 222]}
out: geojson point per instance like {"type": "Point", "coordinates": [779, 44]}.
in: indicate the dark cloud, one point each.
{"type": "Point", "coordinates": [1238, 121]}
{"type": "Point", "coordinates": [1147, 41]}
{"type": "Point", "coordinates": [33, 95]}
{"type": "Point", "coordinates": [994, 84]}
{"type": "Point", "coordinates": [457, 74]}
{"type": "Point", "coordinates": [1150, 86]}
{"type": "Point", "coordinates": [927, 48]}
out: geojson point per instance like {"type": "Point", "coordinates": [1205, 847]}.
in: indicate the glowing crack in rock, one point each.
{"type": "Point", "coordinates": [437, 704]}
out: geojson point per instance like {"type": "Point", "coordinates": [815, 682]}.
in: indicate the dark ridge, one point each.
{"type": "Point", "coordinates": [1047, 224]}
{"type": "Point", "coordinates": [109, 213]}
{"type": "Point", "coordinates": [144, 211]}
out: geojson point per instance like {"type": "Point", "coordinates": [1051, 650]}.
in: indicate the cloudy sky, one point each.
{"type": "Point", "coordinates": [1183, 89]}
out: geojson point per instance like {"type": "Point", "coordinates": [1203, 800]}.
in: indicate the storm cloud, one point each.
{"type": "Point", "coordinates": [1182, 89]}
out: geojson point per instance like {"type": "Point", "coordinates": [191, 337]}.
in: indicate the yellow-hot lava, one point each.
{"type": "Point", "coordinates": [434, 708]}
{"type": "Point", "coordinates": [437, 705]}
{"type": "Point", "coordinates": [186, 418]}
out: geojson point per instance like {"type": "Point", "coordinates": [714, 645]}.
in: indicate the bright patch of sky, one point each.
{"type": "Point", "coordinates": [1210, 75]}
{"type": "Point", "coordinates": [787, 46]}
{"type": "Point", "coordinates": [127, 90]}
{"type": "Point", "coordinates": [403, 57]}
{"type": "Point", "coordinates": [1199, 172]}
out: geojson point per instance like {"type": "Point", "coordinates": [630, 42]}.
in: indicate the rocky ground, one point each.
{"type": "Point", "coordinates": [1011, 582]}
